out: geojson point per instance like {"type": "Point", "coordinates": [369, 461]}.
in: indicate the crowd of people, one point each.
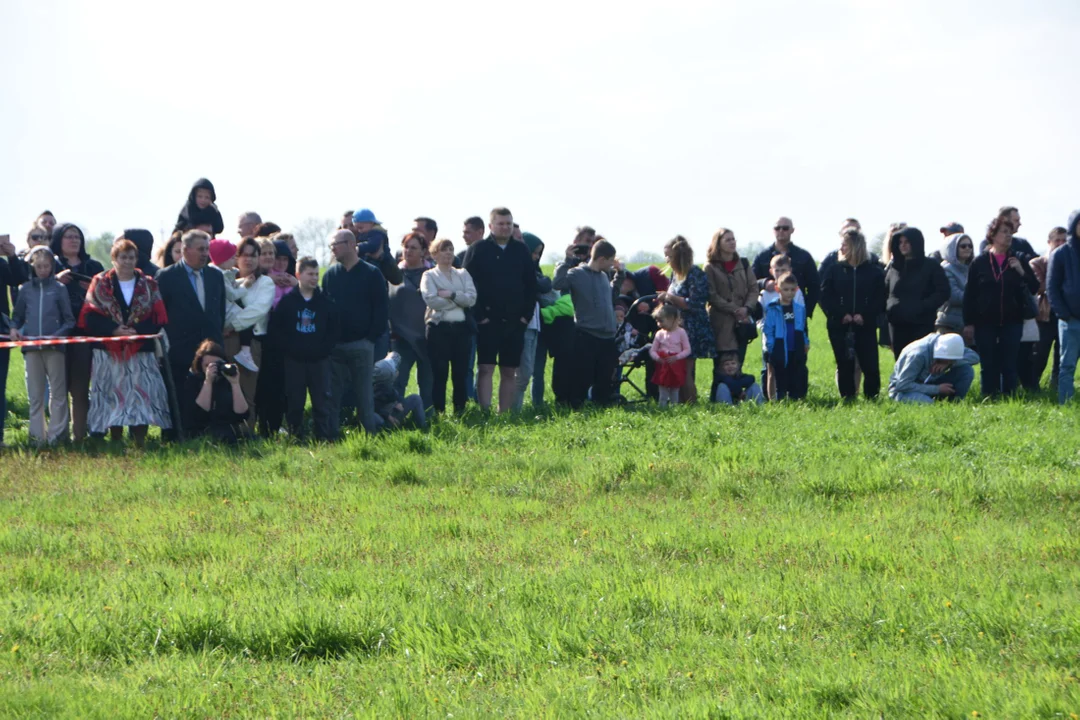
{"type": "Point", "coordinates": [253, 331]}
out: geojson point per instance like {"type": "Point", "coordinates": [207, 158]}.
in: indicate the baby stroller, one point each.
{"type": "Point", "coordinates": [635, 369]}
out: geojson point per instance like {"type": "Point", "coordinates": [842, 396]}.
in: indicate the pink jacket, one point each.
{"type": "Point", "coordinates": [676, 343]}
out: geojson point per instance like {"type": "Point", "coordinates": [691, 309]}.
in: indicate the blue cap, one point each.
{"type": "Point", "coordinates": [364, 215]}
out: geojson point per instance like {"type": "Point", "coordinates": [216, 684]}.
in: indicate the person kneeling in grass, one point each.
{"type": "Point", "coordinates": [937, 367]}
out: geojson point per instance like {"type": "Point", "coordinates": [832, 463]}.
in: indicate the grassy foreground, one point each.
{"type": "Point", "coordinates": [792, 560]}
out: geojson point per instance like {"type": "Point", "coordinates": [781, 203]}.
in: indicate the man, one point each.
{"type": "Point", "coordinates": [472, 232]}
{"type": "Point", "coordinates": [245, 226]}
{"type": "Point", "coordinates": [502, 270]}
{"type": "Point", "coordinates": [359, 290]}
{"type": "Point", "coordinates": [1063, 289]}
{"type": "Point", "coordinates": [802, 263]}
{"type": "Point", "coordinates": [426, 227]}
{"type": "Point", "coordinates": [951, 229]}
{"type": "Point", "coordinates": [936, 367]}
{"type": "Point", "coordinates": [194, 297]}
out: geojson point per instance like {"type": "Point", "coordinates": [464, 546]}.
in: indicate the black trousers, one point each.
{"type": "Point", "coordinates": [904, 335]}
{"type": "Point", "coordinates": [595, 360]}
{"type": "Point", "coordinates": [791, 377]}
{"type": "Point", "coordinates": [1048, 341]}
{"type": "Point", "coordinates": [559, 338]}
{"type": "Point", "coordinates": [449, 345]}
{"type": "Point", "coordinates": [304, 378]}
{"type": "Point", "coordinates": [270, 402]}
{"type": "Point", "coordinates": [866, 352]}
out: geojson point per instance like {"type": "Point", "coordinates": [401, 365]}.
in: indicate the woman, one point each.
{"type": "Point", "coordinates": [171, 252]}
{"type": "Point", "coordinates": [407, 313]}
{"type": "Point", "coordinates": [915, 288]}
{"type": "Point", "coordinates": [997, 300]}
{"type": "Point", "coordinates": [213, 402]}
{"type": "Point", "coordinates": [689, 291]}
{"type": "Point", "coordinates": [852, 296]}
{"type": "Point", "coordinates": [254, 315]}
{"type": "Point", "coordinates": [269, 399]}
{"type": "Point", "coordinates": [733, 295]}
{"type": "Point", "coordinates": [957, 254]}
{"type": "Point", "coordinates": [448, 292]}
{"type": "Point", "coordinates": [127, 389]}
{"type": "Point", "coordinates": [69, 246]}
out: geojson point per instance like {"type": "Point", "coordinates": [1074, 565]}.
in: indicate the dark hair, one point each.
{"type": "Point", "coordinates": [996, 224]}
{"type": "Point", "coordinates": [306, 262]}
{"type": "Point", "coordinates": [1058, 231]}
{"type": "Point", "coordinates": [725, 356]}
{"type": "Point", "coordinates": [164, 253]}
{"type": "Point", "coordinates": [206, 347]}
{"type": "Point", "coordinates": [249, 241]}
{"type": "Point", "coordinates": [603, 249]}
{"type": "Point", "coordinates": [265, 229]}
{"type": "Point", "coordinates": [500, 211]}
{"type": "Point", "coordinates": [787, 279]}
{"type": "Point", "coordinates": [418, 237]}
{"type": "Point", "coordinates": [475, 222]}
{"type": "Point", "coordinates": [430, 225]}
{"type": "Point", "coordinates": [714, 247]}
{"type": "Point", "coordinates": [1008, 210]}
{"type": "Point", "coordinates": [584, 232]}
{"type": "Point", "coordinates": [123, 245]}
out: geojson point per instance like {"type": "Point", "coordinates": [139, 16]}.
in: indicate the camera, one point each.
{"type": "Point", "coordinates": [582, 250]}
{"type": "Point", "coordinates": [226, 369]}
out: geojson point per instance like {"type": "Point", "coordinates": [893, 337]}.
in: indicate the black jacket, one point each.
{"type": "Point", "coordinates": [307, 330]}
{"type": "Point", "coordinates": [802, 264]}
{"type": "Point", "coordinates": [360, 295]}
{"type": "Point", "coordinates": [916, 287]}
{"type": "Point", "coordinates": [189, 324]}
{"type": "Point", "coordinates": [144, 241]}
{"type": "Point", "coordinates": [87, 265]}
{"type": "Point", "coordinates": [999, 298]}
{"type": "Point", "coordinates": [505, 280]}
{"type": "Point", "coordinates": [847, 290]}
{"type": "Point", "coordinates": [220, 422]}
{"type": "Point", "coordinates": [192, 215]}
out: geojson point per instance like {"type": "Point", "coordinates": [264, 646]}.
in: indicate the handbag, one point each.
{"type": "Point", "coordinates": [746, 332]}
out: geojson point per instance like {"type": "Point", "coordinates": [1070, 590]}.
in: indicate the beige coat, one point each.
{"type": "Point", "coordinates": [727, 293]}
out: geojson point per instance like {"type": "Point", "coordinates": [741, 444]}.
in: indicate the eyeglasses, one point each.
{"type": "Point", "coordinates": [778, 228]}
{"type": "Point", "coordinates": [37, 237]}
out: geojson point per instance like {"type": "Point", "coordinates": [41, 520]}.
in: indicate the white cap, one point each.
{"type": "Point", "coordinates": [949, 347]}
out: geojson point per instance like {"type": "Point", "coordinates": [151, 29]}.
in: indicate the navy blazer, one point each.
{"type": "Point", "coordinates": [189, 324]}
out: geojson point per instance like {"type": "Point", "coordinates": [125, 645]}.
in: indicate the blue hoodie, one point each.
{"type": "Point", "coordinates": [1063, 274]}
{"type": "Point", "coordinates": [912, 368]}
{"type": "Point", "coordinates": [775, 327]}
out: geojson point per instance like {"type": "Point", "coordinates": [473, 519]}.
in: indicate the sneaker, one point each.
{"type": "Point", "coordinates": [244, 360]}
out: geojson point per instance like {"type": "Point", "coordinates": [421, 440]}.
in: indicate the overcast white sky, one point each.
{"type": "Point", "coordinates": [643, 120]}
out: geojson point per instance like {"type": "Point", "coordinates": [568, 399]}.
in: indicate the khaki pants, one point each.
{"type": "Point", "coordinates": [248, 379]}
{"type": "Point", "coordinates": [50, 365]}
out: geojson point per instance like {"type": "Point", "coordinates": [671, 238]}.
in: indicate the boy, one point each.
{"type": "Point", "coordinates": [786, 342]}
{"type": "Point", "coordinates": [593, 295]}
{"type": "Point", "coordinates": [306, 321]}
{"type": "Point", "coordinates": [42, 310]}
{"type": "Point", "coordinates": [200, 212]}
{"type": "Point", "coordinates": [733, 385]}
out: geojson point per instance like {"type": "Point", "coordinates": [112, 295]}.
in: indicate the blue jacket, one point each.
{"type": "Point", "coordinates": [1063, 274]}
{"type": "Point", "coordinates": [775, 326]}
{"type": "Point", "coordinates": [912, 369]}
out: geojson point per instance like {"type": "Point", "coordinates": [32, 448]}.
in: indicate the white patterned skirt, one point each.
{"type": "Point", "coordinates": [127, 392]}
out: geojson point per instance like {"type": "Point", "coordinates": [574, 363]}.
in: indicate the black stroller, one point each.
{"type": "Point", "coordinates": [635, 367]}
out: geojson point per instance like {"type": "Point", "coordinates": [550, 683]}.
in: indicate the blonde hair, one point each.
{"type": "Point", "coordinates": [856, 254]}
{"type": "Point", "coordinates": [440, 243]}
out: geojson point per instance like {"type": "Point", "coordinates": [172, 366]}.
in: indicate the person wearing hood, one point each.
{"type": "Point", "coordinates": [144, 243]}
{"type": "Point", "coordinates": [75, 269]}
{"type": "Point", "coordinates": [1063, 289]}
{"type": "Point", "coordinates": [997, 300]}
{"type": "Point", "coordinates": [852, 296]}
{"type": "Point", "coordinates": [958, 251]}
{"type": "Point", "coordinates": [915, 288]}
{"type": "Point", "coordinates": [936, 367]}
{"type": "Point", "coordinates": [200, 209]}
{"type": "Point", "coordinates": [533, 354]}
{"type": "Point", "coordinates": [1045, 317]}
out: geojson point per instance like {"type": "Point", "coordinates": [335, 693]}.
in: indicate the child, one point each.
{"type": "Point", "coordinates": [733, 385]}
{"type": "Point", "coordinates": [786, 342]}
{"type": "Point", "coordinates": [223, 256]}
{"type": "Point", "coordinates": [391, 408]}
{"type": "Point", "coordinates": [779, 265]}
{"type": "Point", "coordinates": [44, 310]}
{"type": "Point", "coordinates": [628, 339]}
{"type": "Point", "coordinates": [670, 348]}
{"type": "Point", "coordinates": [200, 211]}
{"type": "Point", "coordinates": [306, 322]}
{"type": "Point", "coordinates": [593, 294]}
{"type": "Point", "coordinates": [284, 271]}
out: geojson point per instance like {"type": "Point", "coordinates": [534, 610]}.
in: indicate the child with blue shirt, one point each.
{"type": "Point", "coordinates": [787, 342]}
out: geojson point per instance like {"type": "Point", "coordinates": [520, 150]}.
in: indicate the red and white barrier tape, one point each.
{"type": "Point", "coordinates": [42, 342]}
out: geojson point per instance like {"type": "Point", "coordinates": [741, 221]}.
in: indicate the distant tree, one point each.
{"type": "Point", "coordinates": [645, 257]}
{"type": "Point", "coordinates": [100, 247]}
{"type": "Point", "coordinates": [751, 250]}
{"type": "Point", "coordinates": [312, 238]}
{"type": "Point", "coordinates": [877, 245]}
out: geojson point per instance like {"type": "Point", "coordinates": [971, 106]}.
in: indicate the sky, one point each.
{"type": "Point", "coordinates": [644, 120]}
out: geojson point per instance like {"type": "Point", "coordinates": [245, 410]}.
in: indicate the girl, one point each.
{"type": "Point", "coordinates": [670, 349]}
{"type": "Point", "coordinates": [44, 310]}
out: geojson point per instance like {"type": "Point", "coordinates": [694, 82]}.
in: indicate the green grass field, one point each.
{"type": "Point", "coordinates": [794, 560]}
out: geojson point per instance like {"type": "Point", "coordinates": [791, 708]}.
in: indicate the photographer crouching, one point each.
{"type": "Point", "coordinates": [212, 401]}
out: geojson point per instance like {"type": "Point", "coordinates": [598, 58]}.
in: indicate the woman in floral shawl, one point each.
{"type": "Point", "coordinates": [126, 385]}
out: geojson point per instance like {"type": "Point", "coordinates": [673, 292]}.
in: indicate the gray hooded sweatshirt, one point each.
{"type": "Point", "coordinates": [951, 314]}
{"type": "Point", "coordinates": [43, 309]}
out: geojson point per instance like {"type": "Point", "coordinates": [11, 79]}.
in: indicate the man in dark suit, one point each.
{"type": "Point", "coordinates": [194, 297]}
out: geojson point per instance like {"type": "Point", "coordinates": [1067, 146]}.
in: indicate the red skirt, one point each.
{"type": "Point", "coordinates": [670, 375]}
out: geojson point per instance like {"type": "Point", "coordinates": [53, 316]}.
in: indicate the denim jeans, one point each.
{"type": "Point", "coordinates": [999, 356]}
{"type": "Point", "coordinates": [354, 368]}
{"type": "Point", "coordinates": [753, 394]}
{"type": "Point", "coordinates": [410, 356]}
{"type": "Point", "coordinates": [1069, 342]}
{"type": "Point", "coordinates": [960, 377]}
{"type": "Point", "coordinates": [5, 356]}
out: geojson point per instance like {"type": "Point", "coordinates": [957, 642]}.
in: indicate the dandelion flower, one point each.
{"type": "Point", "coordinates": [948, 603]}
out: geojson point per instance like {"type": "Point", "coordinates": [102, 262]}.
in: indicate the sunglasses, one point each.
{"type": "Point", "coordinates": [37, 237]}
{"type": "Point", "coordinates": [782, 227]}
{"type": "Point", "coordinates": [965, 247]}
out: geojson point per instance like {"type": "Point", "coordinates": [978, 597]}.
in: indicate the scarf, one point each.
{"type": "Point", "coordinates": [103, 298]}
